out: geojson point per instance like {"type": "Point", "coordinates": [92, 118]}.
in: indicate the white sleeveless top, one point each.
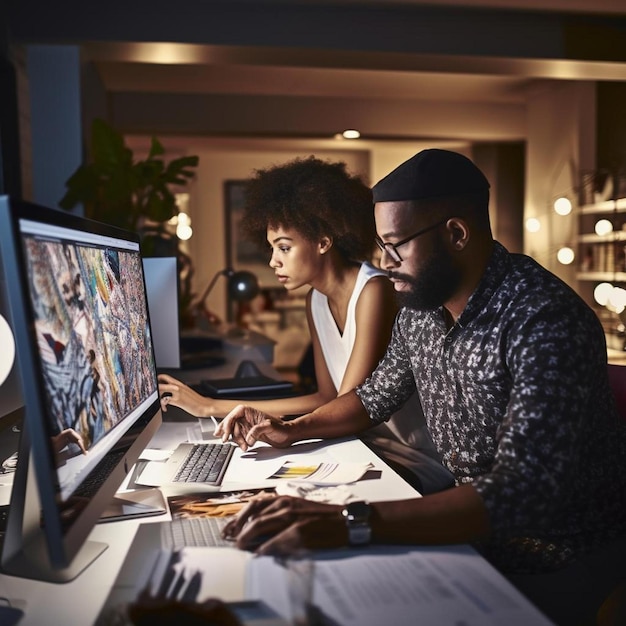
{"type": "Point", "coordinates": [404, 438]}
{"type": "Point", "coordinates": [337, 347]}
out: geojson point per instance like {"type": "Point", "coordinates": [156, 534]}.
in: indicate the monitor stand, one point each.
{"type": "Point", "coordinates": [24, 551]}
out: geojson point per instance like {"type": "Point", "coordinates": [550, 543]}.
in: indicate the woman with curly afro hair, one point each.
{"type": "Point", "coordinates": [318, 221]}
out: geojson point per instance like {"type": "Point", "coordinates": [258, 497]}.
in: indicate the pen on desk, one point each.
{"type": "Point", "coordinates": [213, 420]}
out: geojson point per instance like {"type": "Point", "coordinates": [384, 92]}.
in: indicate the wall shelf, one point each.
{"type": "Point", "coordinates": [608, 206]}
{"type": "Point", "coordinates": [619, 235]}
{"type": "Point", "coordinates": [602, 259]}
{"type": "Point", "coordinates": [615, 277]}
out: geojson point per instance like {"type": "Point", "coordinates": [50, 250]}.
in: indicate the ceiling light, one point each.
{"type": "Point", "coordinates": [351, 134]}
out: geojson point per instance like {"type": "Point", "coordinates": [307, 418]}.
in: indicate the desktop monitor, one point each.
{"type": "Point", "coordinates": [78, 301]}
{"type": "Point", "coordinates": [161, 275]}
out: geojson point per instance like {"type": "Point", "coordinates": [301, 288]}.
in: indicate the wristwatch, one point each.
{"type": "Point", "coordinates": [357, 515]}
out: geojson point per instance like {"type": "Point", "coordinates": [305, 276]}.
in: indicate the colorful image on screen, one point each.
{"type": "Point", "coordinates": [93, 336]}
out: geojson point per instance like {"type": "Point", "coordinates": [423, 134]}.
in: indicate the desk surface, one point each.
{"type": "Point", "coordinates": [80, 601]}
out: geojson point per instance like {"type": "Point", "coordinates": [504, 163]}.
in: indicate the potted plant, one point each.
{"type": "Point", "coordinates": [136, 195]}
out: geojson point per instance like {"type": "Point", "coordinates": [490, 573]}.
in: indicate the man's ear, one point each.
{"type": "Point", "coordinates": [326, 243]}
{"type": "Point", "coordinates": [458, 232]}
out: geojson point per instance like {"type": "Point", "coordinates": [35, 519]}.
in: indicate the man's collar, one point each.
{"type": "Point", "coordinates": [495, 272]}
{"type": "Point", "coordinates": [497, 268]}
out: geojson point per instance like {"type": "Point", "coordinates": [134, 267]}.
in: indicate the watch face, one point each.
{"type": "Point", "coordinates": [357, 511]}
{"type": "Point", "coordinates": [357, 521]}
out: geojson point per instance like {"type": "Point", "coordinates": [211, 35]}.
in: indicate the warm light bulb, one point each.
{"type": "Point", "coordinates": [602, 292]}
{"type": "Point", "coordinates": [533, 225]}
{"type": "Point", "coordinates": [617, 299]}
{"type": "Point", "coordinates": [351, 134]}
{"type": "Point", "coordinates": [184, 232]}
{"type": "Point", "coordinates": [7, 355]}
{"type": "Point", "coordinates": [565, 255]}
{"type": "Point", "coordinates": [603, 227]}
{"type": "Point", "coordinates": [563, 206]}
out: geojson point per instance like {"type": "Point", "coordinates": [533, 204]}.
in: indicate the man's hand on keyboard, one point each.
{"type": "Point", "coordinates": [246, 426]}
{"type": "Point", "coordinates": [284, 525]}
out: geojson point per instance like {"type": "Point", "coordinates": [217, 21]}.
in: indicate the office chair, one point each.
{"type": "Point", "coordinates": [617, 380]}
{"type": "Point", "coordinates": [613, 609]}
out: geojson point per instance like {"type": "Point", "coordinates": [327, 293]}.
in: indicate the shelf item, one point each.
{"type": "Point", "coordinates": [602, 256]}
{"type": "Point", "coordinates": [593, 276]}
{"type": "Point", "coordinates": [602, 259]}
{"type": "Point", "coordinates": [608, 206]}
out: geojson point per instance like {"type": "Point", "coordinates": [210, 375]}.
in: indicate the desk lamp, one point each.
{"type": "Point", "coordinates": [242, 286]}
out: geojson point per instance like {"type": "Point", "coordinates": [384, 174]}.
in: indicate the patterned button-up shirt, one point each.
{"type": "Point", "coordinates": [517, 400]}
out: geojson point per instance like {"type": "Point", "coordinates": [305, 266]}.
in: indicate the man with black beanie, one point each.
{"type": "Point", "coordinates": [511, 369]}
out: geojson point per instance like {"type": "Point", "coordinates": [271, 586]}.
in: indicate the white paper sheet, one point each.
{"type": "Point", "coordinates": [430, 586]}
{"type": "Point", "coordinates": [318, 471]}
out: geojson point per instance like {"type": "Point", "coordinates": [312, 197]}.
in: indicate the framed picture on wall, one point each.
{"type": "Point", "coordinates": [242, 254]}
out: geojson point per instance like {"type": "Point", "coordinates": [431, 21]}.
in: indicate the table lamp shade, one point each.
{"type": "Point", "coordinates": [7, 349]}
{"type": "Point", "coordinates": [242, 286]}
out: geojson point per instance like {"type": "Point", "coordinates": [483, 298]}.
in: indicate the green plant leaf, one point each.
{"type": "Point", "coordinates": [116, 189]}
{"type": "Point", "coordinates": [155, 148]}
{"type": "Point", "coordinates": [108, 149]}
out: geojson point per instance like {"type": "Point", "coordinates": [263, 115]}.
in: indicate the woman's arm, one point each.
{"type": "Point", "coordinates": [182, 396]}
{"type": "Point", "coordinates": [375, 314]}
{"type": "Point", "coordinates": [326, 389]}
{"type": "Point", "coordinates": [185, 398]}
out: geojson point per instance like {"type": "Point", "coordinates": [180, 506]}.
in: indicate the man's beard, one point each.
{"type": "Point", "coordinates": [435, 284]}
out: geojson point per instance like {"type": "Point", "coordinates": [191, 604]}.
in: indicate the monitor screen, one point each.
{"type": "Point", "coordinates": [78, 300]}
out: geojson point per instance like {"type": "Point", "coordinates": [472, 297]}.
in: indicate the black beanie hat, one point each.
{"type": "Point", "coordinates": [429, 174]}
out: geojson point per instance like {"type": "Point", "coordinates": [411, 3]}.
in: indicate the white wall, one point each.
{"type": "Point", "coordinates": [217, 165]}
{"type": "Point", "coordinates": [222, 160]}
{"type": "Point", "coordinates": [560, 144]}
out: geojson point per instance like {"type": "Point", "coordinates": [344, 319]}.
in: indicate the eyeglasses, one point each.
{"type": "Point", "coordinates": [392, 248]}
